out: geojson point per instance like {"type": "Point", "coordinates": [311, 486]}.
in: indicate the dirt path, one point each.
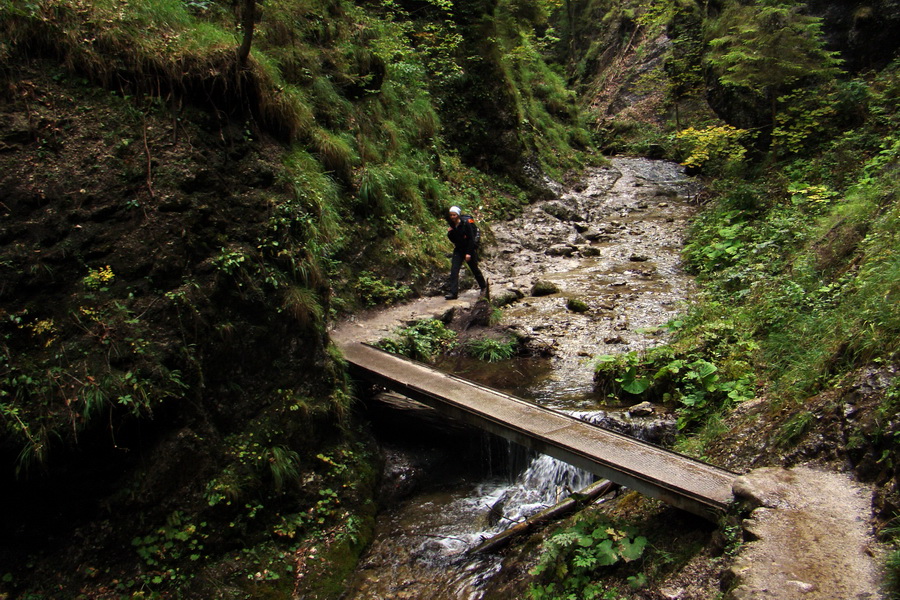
{"type": "Point", "coordinates": [812, 536]}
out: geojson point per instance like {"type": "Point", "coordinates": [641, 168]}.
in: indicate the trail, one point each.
{"type": "Point", "coordinates": [614, 241]}
{"type": "Point", "coordinates": [811, 537]}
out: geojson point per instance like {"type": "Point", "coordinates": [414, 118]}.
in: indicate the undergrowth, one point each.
{"type": "Point", "coordinates": [576, 560]}
{"type": "Point", "coordinates": [798, 268]}
{"type": "Point", "coordinates": [423, 340]}
{"type": "Point", "coordinates": [492, 350]}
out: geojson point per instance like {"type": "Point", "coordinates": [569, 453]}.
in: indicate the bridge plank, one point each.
{"type": "Point", "coordinates": [674, 478]}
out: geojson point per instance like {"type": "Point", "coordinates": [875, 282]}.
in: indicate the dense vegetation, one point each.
{"type": "Point", "coordinates": [181, 220]}
{"type": "Point", "coordinates": [795, 130]}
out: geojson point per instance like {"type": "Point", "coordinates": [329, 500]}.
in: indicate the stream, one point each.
{"type": "Point", "coordinates": [611, 241]}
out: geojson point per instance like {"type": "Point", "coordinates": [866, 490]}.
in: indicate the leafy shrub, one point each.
{"type": "Point", "coordinates": [690, 381]}
{"type": "Point", "coordinates": [420, 341]}
{"type": "Point", "coordinates": [374, 290]}
{"type": "Point", "coordinates": [99, 279]}
{"type": "Point", "coordinates": [714, 148]}
{"type": "Point", "coordinates": [577, 555]}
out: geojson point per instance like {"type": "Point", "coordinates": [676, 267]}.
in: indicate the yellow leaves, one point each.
{"type": "Point", "coordinates": [814, 194]}
{"type": "Point", "coordinates": [88, 312]}
{"type": "Point", "coordinates": [45, 329]}
{"type": "Point", "coordinates": [98, 278]}
{"type": "Point", "coordinates": [712, 143]}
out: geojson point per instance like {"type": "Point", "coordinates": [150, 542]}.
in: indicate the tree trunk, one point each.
{"type": "Point", "coordinates": [248, 22]}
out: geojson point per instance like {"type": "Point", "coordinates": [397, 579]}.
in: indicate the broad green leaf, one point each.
{"type": "Point", "coordinates": [606, 554]}
{"type": "Point", "coordinates": [632, 550]}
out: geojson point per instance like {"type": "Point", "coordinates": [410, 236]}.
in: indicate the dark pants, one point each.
{"type": "Point", "coordinates": [456, 264]}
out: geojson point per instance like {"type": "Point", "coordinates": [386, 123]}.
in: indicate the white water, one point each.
{"type": "Point", "coordinates": [545, 482]}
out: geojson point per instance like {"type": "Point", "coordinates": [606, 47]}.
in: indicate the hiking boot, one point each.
{"type": "Point", "coordinates": [450, 297]}
{"type": "Point", "coordinates": [486, 290]}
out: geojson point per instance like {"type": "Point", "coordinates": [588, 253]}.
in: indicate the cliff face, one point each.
{"type": "Point", "coordinates": [861, 31]}
{"type": "Point", "coordinates": [141, 346]}
{"type": "Point", "coordinates": [652, 67]}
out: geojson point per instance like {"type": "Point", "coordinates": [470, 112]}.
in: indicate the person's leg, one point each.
{"type": "Point", "coordinates": [453, 282]}
{"type": "Point", "coordinates": [476, 272]}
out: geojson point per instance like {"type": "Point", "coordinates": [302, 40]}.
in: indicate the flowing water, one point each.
{"type": "Point", "coordinates": [612, 241]}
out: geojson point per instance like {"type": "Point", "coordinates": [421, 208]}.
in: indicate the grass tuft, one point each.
{"type": "Point", "coordinates": [303, 305]}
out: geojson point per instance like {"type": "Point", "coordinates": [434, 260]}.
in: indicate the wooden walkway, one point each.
{"type": "Point", "coordinates": [678, 480]}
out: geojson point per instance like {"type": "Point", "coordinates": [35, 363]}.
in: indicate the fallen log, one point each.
{"type": "Point", "coordinates": [577, 500]}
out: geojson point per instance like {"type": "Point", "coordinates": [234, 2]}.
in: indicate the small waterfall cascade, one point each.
{"type": "Point", "coordinates": [424, 554]}
{"type": "Point", "coordinates": [494, 506]}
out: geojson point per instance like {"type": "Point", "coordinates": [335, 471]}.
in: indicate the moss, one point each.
{"type": "Point", "coordinates": [544, 288]}
{"type": "Point", "coordinates": [577, 305]}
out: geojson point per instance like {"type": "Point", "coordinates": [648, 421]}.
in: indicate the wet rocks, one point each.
{"type": "Point", "coordinates": [593, 235]}
{"type": "Point", "coordinates": [506, 297]}
{"type": "Point", "coordinates": [543, 287]}
{"type": "Point", "coordinates": [560, 250]}
{"type": "Point", "coordinates": [561, 212]}
{"type": "Point", "coordinates": [588, 251]}
{"type": "Point", "coordinates": [606, 242]}
{"type": "Point", "coordinates": [656, 429]}
{"type": "Point", "coordinates": [577, 305]}
{"type": "Point", "coordinates": [641, 410]}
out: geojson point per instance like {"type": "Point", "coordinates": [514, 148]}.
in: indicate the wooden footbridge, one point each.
{"type": "Point", "coordinates": [678, 480]}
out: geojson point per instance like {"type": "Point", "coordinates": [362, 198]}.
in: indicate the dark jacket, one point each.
{"type": "Point", "coordinates": [463, 237]}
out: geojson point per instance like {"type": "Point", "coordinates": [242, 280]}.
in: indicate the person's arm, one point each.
{"type": "Point", "coordinates": [470, 239]}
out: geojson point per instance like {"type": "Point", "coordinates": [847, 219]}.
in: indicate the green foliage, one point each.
{"type": "Point", "coordinates": [167, 551]}
{"type": "Point", "coordinates": [686, 372]}
{"type": "Point", "coordinates": [99, 279]}
{"type": "Point", "coordinates": [62, 380]}
{"type": "Point", "coordinates": [891, 559]}
{"type": "Point", "coordinates": [284, 465]}
{"type": "Point", "coordinates": [336, 152]}
{"type": "Point", "coordinates": [806, 116]}
{"type": "Point", "coordinates": [492, 350]}
{"type": "Point", "coordinates": [892, 571]}
{"type": "Point", "coordinates": [421, 341]}
{"type": "Point", "coordinates": [769, 46]}
{"type": "Point", "coordinates": [303, 305]}
{"type": "Point", "coordinates": [576, 557]}
{"type": "Point", "coordinates": [796, 427]}
{"type": "Point", "coordinates": [800, 258]}
{"type": "Point", "coordinates": [375, 290]}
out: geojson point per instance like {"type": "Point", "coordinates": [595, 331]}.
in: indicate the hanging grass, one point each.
{"type": "Point", "coordinates": [425, 120]}
{"type": "Point", "coordinates": [375, 187]}
{"type": "Point", "coordinates": [303, 305]}
{"type": "Point", "coordinates": [316, 201]}
{"type": "Point", "coordinates": [336, 151]}
{"type": "Point", "coordinates": [331, 107]}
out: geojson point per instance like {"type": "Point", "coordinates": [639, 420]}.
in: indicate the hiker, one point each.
{"type": "Point", "coordinates": [463, 234]}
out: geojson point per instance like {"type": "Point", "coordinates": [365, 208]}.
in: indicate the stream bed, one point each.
{"type": "Point", "coordinates": [612, 241]}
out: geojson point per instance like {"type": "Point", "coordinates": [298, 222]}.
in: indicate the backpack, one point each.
{"type": "Point", "coordinates": [476, 235]}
